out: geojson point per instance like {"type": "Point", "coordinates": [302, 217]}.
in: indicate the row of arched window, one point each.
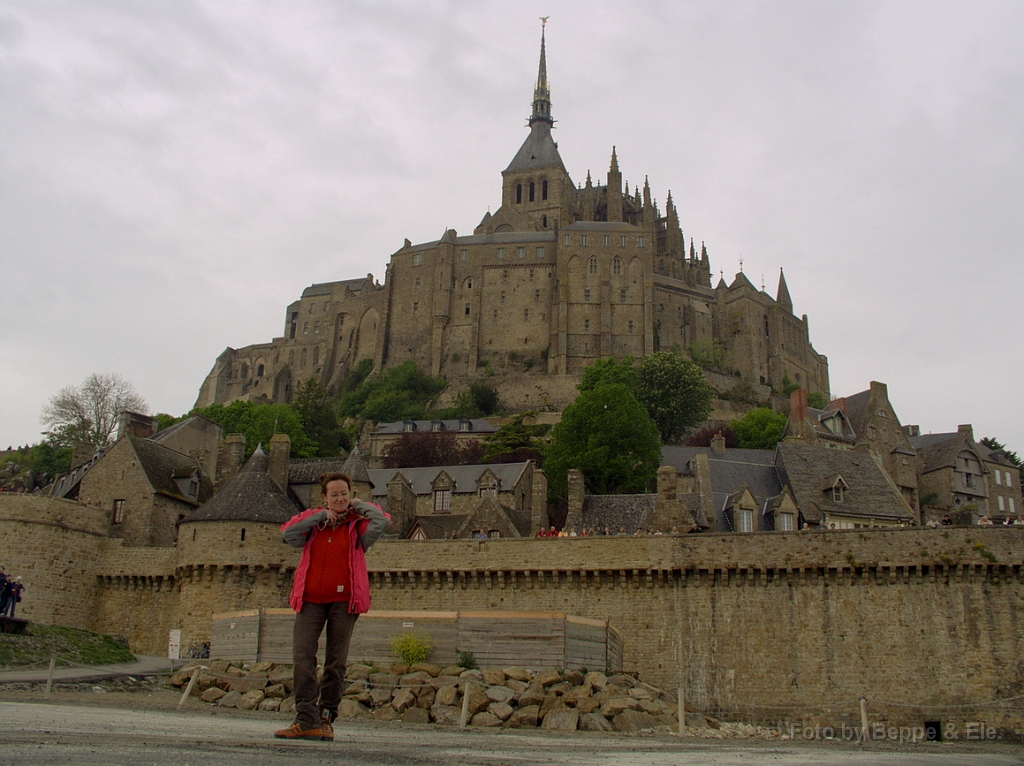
{"type": "Point", "coordinates": [531, 191]}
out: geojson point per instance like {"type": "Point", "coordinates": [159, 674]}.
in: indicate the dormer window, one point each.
{"type": "Point", "coordinates": [465, 424]}
{"type": "Point", "coordinates": [837, 493]}
{"type": "Point", "coordinates": [442, 500]}
{"type": "Point", "coordinates": [436, 425]}
{"type": "Point", "coordinates": [408, 426]}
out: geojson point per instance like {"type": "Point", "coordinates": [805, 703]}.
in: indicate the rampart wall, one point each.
{"type": "Point", "coordinates": [53, 545]}
{"type": "Point", "coordinates": [771, 621]}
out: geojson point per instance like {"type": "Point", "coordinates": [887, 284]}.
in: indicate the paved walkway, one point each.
{"type": "Point", "coordinates": [143, 666]}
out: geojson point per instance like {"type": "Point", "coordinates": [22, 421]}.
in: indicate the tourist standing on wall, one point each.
{"type": "Point", "coordinates": [331, 588]}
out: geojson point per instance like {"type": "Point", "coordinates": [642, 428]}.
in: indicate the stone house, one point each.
{"type": "Point", "coordinates": [954, 472]}
{"type": "Point", "coordinates": [560, 274]}
{"type": "Point", "coordinates": [829, 427]}
{"type": "Point", "coordinates": [1002, 481]}
{"type": "Point", "coordinates": [879, 432]}
{"type": "Point", "coordinates": [145, 488]}
{"type": "Point", "coordinates": [464, 429]}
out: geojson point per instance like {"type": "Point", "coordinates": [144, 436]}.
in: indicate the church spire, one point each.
{"type": "Point", "coordinates": [542, 93]}
{"type": "Point", "coordinates": [782, 296]}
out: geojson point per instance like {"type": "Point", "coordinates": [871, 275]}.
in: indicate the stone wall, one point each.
{"type": "Point", "coordinates": [777, 621]}
{"type": "Point", "coordinates": [53, 545]}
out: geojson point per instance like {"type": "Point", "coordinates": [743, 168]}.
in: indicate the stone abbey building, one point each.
{"type": "Point", "coordinates": [559, 275]}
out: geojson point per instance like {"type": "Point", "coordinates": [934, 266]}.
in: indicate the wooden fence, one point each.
{"type": "Point", "coordinates": [495, 639]}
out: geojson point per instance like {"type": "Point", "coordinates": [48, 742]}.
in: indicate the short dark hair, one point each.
{"type": "Point", "coordinates": [327, 478]}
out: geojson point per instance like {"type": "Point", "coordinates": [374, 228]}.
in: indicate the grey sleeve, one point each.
{"type": "Point", "coordinates": [295, 535]}
{"type": "Point", "coordinates": [379, 523]}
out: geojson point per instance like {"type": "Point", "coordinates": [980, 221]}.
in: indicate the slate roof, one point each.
{"type": "Point", "coordinates": [803, 468]}
{"type": "Point", "coordinates": [161, 435]}
{"type": "Point", "coordinates": [161, 464]}
{"type": "Point", "coordinates": [439, 527]}
{"type": "Point", "coordinates": [476, 425]}
{"type": "Point", "coordinates": [940, 451]}
{"type": "Point", "coordinates": [465, 477]}
{"type": "Point", "coordinates": [355, 468]}
{"type": "Point", "coordinates": [539, 150]}
{"type": "Point", "coordinates": [614, 511]}
{"type": "Point", "coordinates": [66, 485]}
{"type": "Point", "coordinates": [250, 495]}
{"type": "Point", "coordinates": [308, 470]}
{"type": "Point", "coordinates": [680, 457]}
{"type": "Point", "coordinates": [729, 477]}
{"type": "Point", "coordinates": [856, 407]}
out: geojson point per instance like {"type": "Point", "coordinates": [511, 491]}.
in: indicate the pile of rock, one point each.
{"type": "Point", "coordinates": [512, 697]}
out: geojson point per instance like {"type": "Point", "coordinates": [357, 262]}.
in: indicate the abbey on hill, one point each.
{"type": "Point", "coordinates": [560, 275]}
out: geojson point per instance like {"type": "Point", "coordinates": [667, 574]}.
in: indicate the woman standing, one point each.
{"type": "Point", "coordinates": [331, 588]}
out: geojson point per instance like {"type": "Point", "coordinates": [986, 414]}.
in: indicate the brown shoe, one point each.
{"type": "Point", "coordinates": [326, 729]}
{"type": "Point", "coordinates": [297, 732]}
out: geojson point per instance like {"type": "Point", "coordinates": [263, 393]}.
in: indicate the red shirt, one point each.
{"type": "Point", "coordinates": [327, 579]}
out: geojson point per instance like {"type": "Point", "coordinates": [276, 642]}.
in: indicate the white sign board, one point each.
{"type": "Point", "coordinates": [174, 645]}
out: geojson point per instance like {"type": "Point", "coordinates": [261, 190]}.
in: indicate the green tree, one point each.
{"type": "Point", "coordinates": [399, 393]}
{"type": "Point", "coordinates": [759, 429]}
{"type": "Point", "coordinates": [318, 418]}
{"type": "Point", "coordinates": [995, 444]}
{"type": "Point", "coordinates": [607, 435]}
{"type": "Point", "coordinates": [601, 372]}
{"type": "Point", "coordinates": [477, 401]}
{"type": "Point", "coordinates": [817, 400]}
{"type": "Point", "coordinates": [516, 441]}
{"type": "Point", "coordinates": [674, 393]}
{"type": "Point", "coordinates": [707, 353]}
{"type": "Point", "coordinates": [259, 422]}
{"type": "Point", "coordinates": [427, 448]}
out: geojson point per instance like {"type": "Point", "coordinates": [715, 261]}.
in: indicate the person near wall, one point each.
{"type": "Point", "coordinates": [331, 588]}
{"type": "Point", "coordinates": [12, 596]}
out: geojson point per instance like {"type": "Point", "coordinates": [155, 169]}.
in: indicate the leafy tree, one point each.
{"type": "Point", "coordinates": [163, 420]}
{"type": "Point", "coordinates": [516, 441]}
{"type": "Point", "coordinates": [259, 422]}
{"type": "Point", "coordinates": [707, 353]}
{"type": "Point", "coordinates": [607, 435]}
{"type": "Point", "coordinates": [357, 375]}
{"type": "Point", "coordinates": [30, 467]}
{"type": "Point", "coordinates": [90, 412]}
{"type": "Point", "coordinates": [604, 371]}
{"type": "Point", "coordinates": [702, 436]}
{"type": "Point", "coordinates": [476, 401]}
{"type": "Point", "coordinates": [415, 449]}
{"type": "Point", "coordinates": [759, 429]}
{"type": "Point", "coordinates": [674, 392]}
{"type": "Point", "coordinates": [399, 393]}
{"type": "Point", "coordinates": [994, 444]}
{"type": "Point", "coordinates": [318, 419]}
{"type": "Point", "coordinates": [817, 400]}
{"type": "Point", "coordinates": [788, 387]}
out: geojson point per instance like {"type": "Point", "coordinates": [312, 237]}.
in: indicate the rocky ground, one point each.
{"type": "Point", "coordinates": [511, 698]}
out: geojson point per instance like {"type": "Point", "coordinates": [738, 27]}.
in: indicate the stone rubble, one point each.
{"type": "Point", "coordinates": [511, 698]}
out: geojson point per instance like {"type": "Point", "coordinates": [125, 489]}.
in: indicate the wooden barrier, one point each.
{"type": "Point", "coordinates": [495, 639]}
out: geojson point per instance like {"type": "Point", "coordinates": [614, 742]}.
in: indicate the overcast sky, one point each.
{"type": "Point", "coordinates": [175, 173]}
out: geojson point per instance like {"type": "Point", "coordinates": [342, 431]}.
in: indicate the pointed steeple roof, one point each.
{"type": "Point", "coordinates": [355, 467]}
{"type": "Point", "coordinates": [250, 495]}
{"type": "Point", "coordinates": [782, 296]}
{"type": "Point", "coordinates": [539, 150]}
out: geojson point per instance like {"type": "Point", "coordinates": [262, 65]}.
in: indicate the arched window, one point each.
{"type": "Point", "coordinates": [303, 357]}
{"type": "Point", "coordinates": [316, 354]}
{"type": "Point", "coordinates": [531, 191]}
{"type": "Point", "coordinates": [519, 193]}
{"type": "Point", "coordinates": [592, 265]}
{"type": "Point", "coordinates": [259, 371]}
{"type": "Point", "coordinates": [544, 189]}
{"type": "Point", "coordinates": [617, 266]}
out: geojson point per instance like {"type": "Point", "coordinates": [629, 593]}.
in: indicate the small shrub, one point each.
{"type": "Point", "coordinates": [411, 647]}
{"type": "Point", "coordinates": [467, 661]}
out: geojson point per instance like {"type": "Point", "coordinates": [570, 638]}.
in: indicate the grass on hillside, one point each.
{"type": "Point", "coordinates": [73, 647]}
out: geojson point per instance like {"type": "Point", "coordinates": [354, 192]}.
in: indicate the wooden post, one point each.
{"type": "Point", "coordinates": [863, 720]}
{"type": "Point", "coordinates": [49, 675]}
{"type": "Point", "coordinates": [682, 711]}
{"type": "Point", "coordinates": [191, 684]}
{"type": "Point", "coordinates": [465, 704]}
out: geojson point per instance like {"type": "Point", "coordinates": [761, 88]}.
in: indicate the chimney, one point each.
{"type": "Point", "coordinates": [718, 444]}
{"type": "Point", "coordinates": [577, 491]}
{"type": "Point", "coordinates": [798, 406]}
{"type": "Point", "coordinates": [277, 466]}
{"type": "Point", "coordinates": [838, 404]}
{"type": "Point", "coordinates": [966, 430]}
{"type": "Point", "coordinates": [912, 431]}
{"type": "Point", "coordinates": [230, 455]}
{"type": "Point", "coordinates": [136, 424]}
